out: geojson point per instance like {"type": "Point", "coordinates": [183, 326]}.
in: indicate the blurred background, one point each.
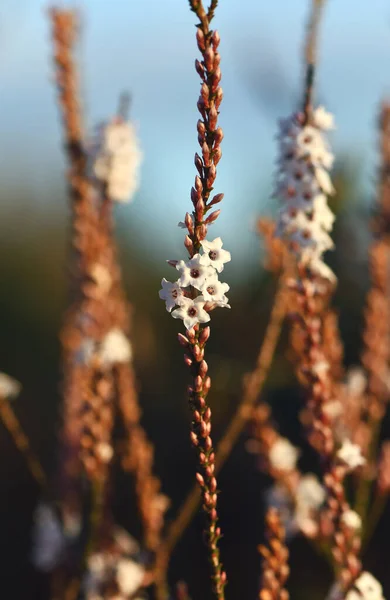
{"type": "Point", "coordinates": [148, 47]}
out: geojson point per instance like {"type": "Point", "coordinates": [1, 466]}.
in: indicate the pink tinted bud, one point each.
{"type": "Point", "coordinates": [203, 429]}
{"type": "Point", "coordinates": [206, 154]}
{"type": "Point", "coordinates": [198, 383]}
{"type": "Point", "coordinates": [205, 93]}
{"type": "Point", "coordinates": [183, 341]}
{"type": "Point", "coordinates": [211, 218]}
{"type": "Point", "coordinates": [202, 231]}
{"type": "Point", "coordinates": [200, 479]}
{"type": "Point", "coordinates": [199, 68]}
{"type": "Point", "coordinates": [194, 438]}
{"type": "Point", "coordinates": [189, 221]}
{"type": "Point", "coordinates": [216, 79]}
{"type": "Point", "coordinates": [208, 444]}
{"type": "Point", "coordinates": [215, 39]}
{"type": "Point", "coordinates": [212, 173]}
{"type": "Point", "coordinates": [197, 353]}
{"type": "Point", "coordinates": [218, 97]}
{"type": "Point", "coordinates": [204, 335]}
{"type": "Point", "coordinates": [201, 105]}
{"type": "Point", "coordinates": [202, 458]}
{"type": "Point", "coordinates": [213, 485]}
{"type": "Point", "coordinates": [201, 127]}
{"type": "Point", "coordinates": [197, 416]}
{"type": "Point", "coordinates": [207, 384]}
{"type": "Point", "coordinates": [200, 39]}
{"type": "Point", "coordinates": [188, 243]}
{"type": "Point", "coordinates": [217, 60]}
{"type": "Point", "coordinates": [187, 360]}
{"type": "Point", "coordinates": [198, 164]}
{"type": "Point", "coordinates": [203, 368]}
{"type": "Point", "coordinates": [199, 209]}
{"type": "Point", "coordinates": [216, 199]}
{"type": "Point", "coordinates": [198, 184]}
{"type": "Point", "coordinates": [209, 59]}
{"type": "Point", "coordinates": [218, 135]}
{"type": "Point", "coordinates": [201, 402]}
{"type": "Point", "coordinates": [207, 414]}
{"type": "Point", "coordinates": [217, 155]}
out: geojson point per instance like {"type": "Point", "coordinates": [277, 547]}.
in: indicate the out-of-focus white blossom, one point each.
{"type": "Point", "coordinates": [192, 312]}
{"type": "Point", "coordinates": [302, 183]}
{"type": "Point", "coordinates": [115, 348]}
{"type": "Point", "coordinates": [356, 381]}
{"type": "Point", "coordinates": [48, 538]}
{"type": "Point", "coordinates": [101, 276]}
{"type": "Point", "coordinates": [105, 452]}
{"type": "Point", "coordinates": [366, 587]}
{"type": "Point", "coordinates": [129, 575]}
{"type": "Point", "coordinates": [351, 455]}
{"type": "Point", "coordinates": [351, 519]}
{"type": "Point", "coordinates": [9, 387]}
{"type": "Point", "coordinates": [310, 492]}
{"type": "Point", "coordinates": [172, 293]}
{"type": "Point", "coordinates": [283, 455]}
{"type": "Point", "coordinates": [214, 254]}
{"type": "Point", "coordinates": [118, 159]}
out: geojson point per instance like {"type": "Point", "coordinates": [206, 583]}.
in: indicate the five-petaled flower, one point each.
{"type": "Point", "coordinates": [193, 272]}
{"type": "Point", "coordinates": [171, 293]}
{"type": "Point", "coordinates": [214, 254]}
{"type": "Point", "coordinates": [214, 291]}
{"type": "Point", "coordinates": [192, 312]}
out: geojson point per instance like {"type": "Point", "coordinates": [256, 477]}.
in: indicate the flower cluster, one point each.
{"type": "Point", "coordinates": [198, 289]}
{"type": "Point", "coordinates": [366, 587]}
{"type": "Point", "coordinates": [115, 572]}
{"type": "Point", "coordinates": [303, 183]}
{"type": "Point", "coordinates": [117, 159]}
{"type": "Point", "coordinates": [114, 348]}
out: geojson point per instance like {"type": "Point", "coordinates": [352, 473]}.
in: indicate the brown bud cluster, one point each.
{"type": "Point", "coordinates": [275, 569]}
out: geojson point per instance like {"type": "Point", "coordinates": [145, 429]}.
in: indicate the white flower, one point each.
{"type": "Point", "coordinates": [9, 387]}
{"type": "Point", "coordinates": [49, 541]}
{"type": "Point", "coordinates": [214, 290]}
{"type": "Point", "coordinates": [308, 140]}
{"type": "Point", "coordinates": [283, 455]}
{"type": "Point", "coordinates": [351, 519]}
{"type": "Point", "coordinates": [324, 181]}
{"type": "Point", "coordinates": [310, 493]}
{"type": "Point", "coordinates": [369, 587]}
{"type": "Point", "coordinates": [101, 276]}
{"type": "Point", "coordinates": [192, 312]}
{"type": "Point", "coordinates": [129, 576]}
{"type": "Point", "coordinates": [193, 272]}
{"type": "Point", "coordinates": [214, 254]}
{"type": "Point", "coordinates": [115, 348]}
{"type": "Point", "coordinates": [118, 159]}
{"type": "Point", "coordinates": [323, 119]}
{"type": "Point", "coordinates": [351, 455]}
{"type": "Point", "coordinates": [171, 293]}
{"type": "Point", "coordinates": [305, 522]}
{"type": "Point", "coordinates": [356, 381]}
{"type": "Point", "coordinates": [105, 452]}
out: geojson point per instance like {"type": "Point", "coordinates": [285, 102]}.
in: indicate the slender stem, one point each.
{"type": "Point", "coordinates": [311, 56]}
{"type": "Point", "coordinates": [22, 442]}
{"type": "Point", "coordinates": [252, 386]}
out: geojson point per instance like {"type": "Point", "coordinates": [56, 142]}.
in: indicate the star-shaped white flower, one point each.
{"type": "Point", "coordinates": [369, 587]}
{"type": "Point", "coordinates": [324, 181]}
{"type": "Point", "coordinates": [351, 455]}
{"type": "Point", "coordinates": [115, 348]}
{"type": "Point", "coordinates": [129, 576]}
{"type": "Point", "coordinates": [323, 119]}
{"type": "Point", "coordinates": [214, 255]}
{"type": "Point", "coordinates": [171, 293]}
{"type": "Point", "coordinates": [214, 290]}
{"type": "Point", "coordinates": [283, 455]}
{"type": "Point", "coordinates": [192, 312]}
{"type": "Point", "coordinates": [194, 272]}
{"type": "Point", "coordinates": [309, 493]}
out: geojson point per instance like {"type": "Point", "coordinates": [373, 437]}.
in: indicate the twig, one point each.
{"type": "Point", "coordinates": [21, 440]}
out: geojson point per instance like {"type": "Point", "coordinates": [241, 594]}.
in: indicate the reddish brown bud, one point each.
{"type": "Point", "coordinates": [207, 414]}
{"type": "Point", "coordinates": [216, 79]}
{"type": "Point", "coordinates": [188, 220]}
{"type": "Point", "coordinates": [218, 136]}
{"type": "Point", "coordinates": [197, 416]}
{"type": "Point", "coordinates": [194, 438]}
{"type": "Point", "coordinates": [206, 154]}
{"type": "Point", "coordinates": [218, 97]}
{"type": "Point", "coordinates": [198, 184]}
{"type": "Point", "coordinates": [211, 218]}
{"type": "Point", "coordinates": [198, 383]}
{"type": "Point", "coordinates": [205, 93]}
{"type": "Point", "coordinates": [199, 68]}
{"type": "Point", "coordinates": [203, 368]}
{"type": "Point", "coordinates": [213, 485]}
{"type": "Point", "coordinates": [201, 127]}
{"type": "Point", "coordinates": [211, 175]}
{"type": "Point", "coordinates": [198, 164]}
{"type": "Point", "coordinates": [187, 360]}
{"type": "Point", "coordinates": [197, 353]}
{"type": "Point", "coordinates": [207, 384]}
{"type": "Point", "coordinates": [199, 209]}
{"type": "Point", "coordinates": [202, 458]}
{"type": "Point", "coordinates": [200, 39]}
{"type": "Point", "coordinates": [217, 60]}
{"type": "Point", "coordinates": [188, 244]}
{"type": "Point", "coordinates": [200, 479]}
{"type": "Point", "coordinates": [204, 335]}
{"type": "Point", "coordinates": [183, 341]}
{"type": "Point", "coordinates": [217, 155]}
{"type": "Point", "coordinates": [215, 39]}
{"type": "Point", "coordinates": [208, 444]}
{"type": "Point", "coordinates": [202, 232]}
{"type": "Point", "coordinates": [209, 59]}
{"type": "Point", "coordinates": [213, 117]}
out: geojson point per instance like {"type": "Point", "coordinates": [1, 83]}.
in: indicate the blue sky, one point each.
{"type": "Point", "coordinates": [148, 46]}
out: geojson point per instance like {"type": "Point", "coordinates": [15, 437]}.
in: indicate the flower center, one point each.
{"type": "Point", "coordinates": [174, 293]}
{"type": "Point", "coordinates": [194, 273]}
{"type": "Point", "coordinates": [307, 139]}
{"type": "Point", "coordinates": [213, 254]}
{"type": "Point", "coordinates": [191, 311]}
{"type": "Point", "coordinates": [211, 290]}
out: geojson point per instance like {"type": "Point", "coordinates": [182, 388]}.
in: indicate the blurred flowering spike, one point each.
{"type": "Point", "coordinates": [302, 183]}
{"type": "Point", "coordinates": [214, 255]}
{"type": "Point", "coordinates": [351, 455]}
{"type": "Point", "coordinates": [117, 160]}
{"type": "Point", "coordinates": [283, 455]}
{"type": "Point", "coordinates": [192, 312]}
{"type": "Point", "coordinates": [48, 539]}
{"type": "Point", "coordinates": [9, 387]}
